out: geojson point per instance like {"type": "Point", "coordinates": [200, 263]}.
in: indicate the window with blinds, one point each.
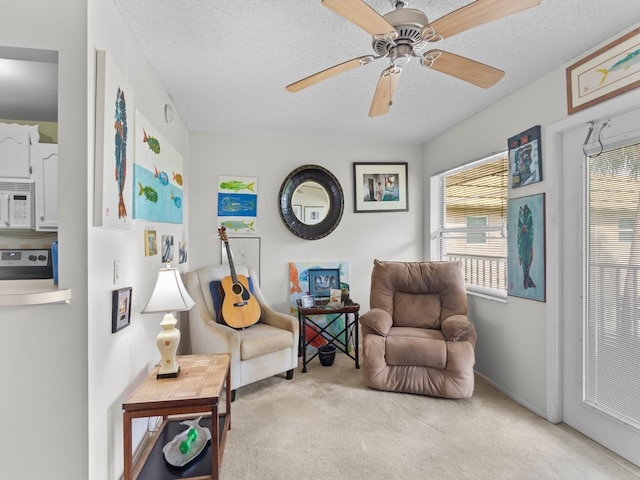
{"type": "Point", "coordinates": [612, 307]}
{"type": "Point", "coordinates": [468, 222]}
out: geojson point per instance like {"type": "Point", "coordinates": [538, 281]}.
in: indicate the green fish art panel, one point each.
{"type": "Point", "coordinates": [157, 175]}
{"type": "Point", "coordinates": [238, 204]}
{"type": "Point", "coordinates": [526, 247]}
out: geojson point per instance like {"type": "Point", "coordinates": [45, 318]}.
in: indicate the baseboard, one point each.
{"type": "Point", "coordinates": [513, 396]}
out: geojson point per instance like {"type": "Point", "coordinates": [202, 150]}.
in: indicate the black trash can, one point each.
{"type": "Point", "coordinates": [327, 354]}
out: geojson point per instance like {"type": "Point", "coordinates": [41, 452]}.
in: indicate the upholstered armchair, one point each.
{"type": "Point", "coordinates": [267, 348]}
{"type": "Point", "coordinates": [416, 337]}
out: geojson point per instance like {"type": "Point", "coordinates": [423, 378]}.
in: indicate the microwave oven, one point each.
{"type": "Point", "coordinates": [17, 205]}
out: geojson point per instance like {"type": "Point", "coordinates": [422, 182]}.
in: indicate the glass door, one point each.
{"type": "Point", "coordinates": [601, 271]}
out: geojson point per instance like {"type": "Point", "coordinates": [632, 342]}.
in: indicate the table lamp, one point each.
{"type": "Point", "coordinates": [169, 295]}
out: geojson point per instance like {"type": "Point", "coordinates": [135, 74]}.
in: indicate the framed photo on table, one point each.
{"type": "Point", "coordinates": [323, 280]}
{"type": "Point", "coordinates": [380, 187]}
{"type": "Point", "coordinates": [120, 309]}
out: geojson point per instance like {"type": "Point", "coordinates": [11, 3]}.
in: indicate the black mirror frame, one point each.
{"type": "Point", "coordinates": [322, 176]}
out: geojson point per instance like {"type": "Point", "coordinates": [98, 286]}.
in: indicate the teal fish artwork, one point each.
{"type": "Point", "coordinates": [152, 143]}
{"type": "Point", "coordinates": [237, 225]}
{"type": "Point", "coordinates": [629, 60]}
{"type": "Point", "coordinates": [148, 192]}
{"type": "Point", "coordinates": [237, 185]}
{"type": "Point", "coordinates": [176, 200]}
{"type": "Point", "coordinates": [162, 177]}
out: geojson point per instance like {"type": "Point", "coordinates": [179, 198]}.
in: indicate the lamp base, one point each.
{"type": "Point", "coordinates": [168, 375]}
{"type": "Point", "coordinates": [167, 341]}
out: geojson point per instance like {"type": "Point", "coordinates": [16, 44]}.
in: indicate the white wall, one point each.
{"type": "Point", "coordinates": [117, 362]}
{"type": "Point", "coordinates": [359, 238]}
{"type": "Point", "coordinates": [511, 348]}
{"type": "Point", "coordinates": [43, 404]}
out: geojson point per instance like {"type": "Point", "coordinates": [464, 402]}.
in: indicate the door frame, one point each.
{"type": "Point", "coordinates": [554, 134]}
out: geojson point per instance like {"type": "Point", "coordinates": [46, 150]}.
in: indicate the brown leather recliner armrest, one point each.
{"type": "Point", "coordinates": [378, 320]}
{"type": "Point", "coordinates": [458, 328]}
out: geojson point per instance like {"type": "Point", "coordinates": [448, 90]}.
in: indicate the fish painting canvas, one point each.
{"type": "Point", "coordinates": [114, 146]}
{"type": "Point", "coordinates": [238, 204]}
{"type": "Point", "coordinates": [157, 176]}
{"type": "Point", "coordinates": [526, 247]}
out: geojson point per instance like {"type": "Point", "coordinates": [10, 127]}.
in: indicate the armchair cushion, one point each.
{"type": "Point", "coordinates": [261, 339]}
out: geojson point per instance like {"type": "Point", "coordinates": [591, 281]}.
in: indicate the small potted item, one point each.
{"type": "Point", "coordinates": [327, 354]}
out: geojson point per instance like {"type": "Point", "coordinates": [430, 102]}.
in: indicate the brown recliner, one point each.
{"type": "Point", "coordinates": [416, 338]}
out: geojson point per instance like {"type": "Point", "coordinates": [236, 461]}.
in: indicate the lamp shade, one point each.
{"type": "Point", "coordinates": [169, 293]}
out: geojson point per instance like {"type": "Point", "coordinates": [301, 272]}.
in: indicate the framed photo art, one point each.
{"type": "Point", "coordinates": [604, 74]}
{"type": "Point", "coordinates": [380, 187]}
{"type": "Point", "coordinates": [120, 309]}
{"type": "Point", "coordinates": [526, 247]}
{"type": "Point", "coordinates": [525, 158]}
{"type": "Point", "coordinates": [150, 243]}
{"type": "Point", "coordinates": [323, 280]}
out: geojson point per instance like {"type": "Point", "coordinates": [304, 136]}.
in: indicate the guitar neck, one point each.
{"type": "Point", "coordinates": [232, 268]}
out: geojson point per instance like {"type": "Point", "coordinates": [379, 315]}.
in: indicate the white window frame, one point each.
{"type": "Point", "coordinates": [438, 230]}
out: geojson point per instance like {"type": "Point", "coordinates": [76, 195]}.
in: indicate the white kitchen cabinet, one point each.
{"type": "Point", "coordinates": [17, 151]}
{"type": "Point", "coordinates": [46, 176]}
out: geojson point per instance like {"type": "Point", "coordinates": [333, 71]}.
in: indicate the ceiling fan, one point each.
{"type": "Point", "coordinates": [401, 34]}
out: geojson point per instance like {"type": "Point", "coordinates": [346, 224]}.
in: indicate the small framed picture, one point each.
{"type": "Point", "coordinates": [307, 301]}
{"type": "Point", "coordinates": [322, 280]}
{"type": "Point", "coordinates": [150, 243]}
{"type": "Point", "coordinates": [120, 309]}
{"type": "Point", "coordinates": [525, 158]}
{"type": "Point", "coordinates": [167, 248]}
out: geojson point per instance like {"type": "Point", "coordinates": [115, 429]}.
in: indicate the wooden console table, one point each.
{"type": "Point", "coordinates": [198, 389]}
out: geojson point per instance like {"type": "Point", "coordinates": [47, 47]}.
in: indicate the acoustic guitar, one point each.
{"type": "Point", "coordinates": [240, 309]}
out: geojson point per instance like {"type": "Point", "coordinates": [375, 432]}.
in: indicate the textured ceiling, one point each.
{"type": "Point", "coordinates": [226, 63]}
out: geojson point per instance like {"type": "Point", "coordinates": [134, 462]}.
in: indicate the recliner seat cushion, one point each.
{"type": "Point", "coordinates": [261, 339]}
{"type": "Point", "coordinates": [421, 352]}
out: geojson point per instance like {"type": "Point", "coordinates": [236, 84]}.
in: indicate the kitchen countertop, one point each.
{"type": "Point", "coordinates": [31, 292]}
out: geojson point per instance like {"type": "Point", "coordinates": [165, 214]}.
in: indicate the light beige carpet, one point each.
{"type": "Point", "coordinates": [325, 424]}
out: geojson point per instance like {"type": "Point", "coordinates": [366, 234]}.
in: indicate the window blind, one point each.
{"type": "Point", "coordinates": [468, 220]}
{"type": "Point", "coordinates": [611, 380]}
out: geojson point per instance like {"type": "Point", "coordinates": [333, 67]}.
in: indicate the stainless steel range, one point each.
{"type": "Point", "coordinates": [23, 264]}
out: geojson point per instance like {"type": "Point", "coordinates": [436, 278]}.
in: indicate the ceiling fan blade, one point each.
{"type": "Point", "coordinates": [329, 72]}
{"type": "Point", "coordinates": [358, 12]}
{"type": "Point", "coordinates": [385, 90]}
{"type": "Point", "coordinates": [473, 15]}
{"type": "Point", "coordinates": [463, 68]}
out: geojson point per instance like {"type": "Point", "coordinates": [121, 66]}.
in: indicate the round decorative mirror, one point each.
{"type": "Point", "coordinates": [311, 202]}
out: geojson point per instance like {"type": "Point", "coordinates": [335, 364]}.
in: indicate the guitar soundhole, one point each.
{"type": "Point", "coordinates": [237, 288]}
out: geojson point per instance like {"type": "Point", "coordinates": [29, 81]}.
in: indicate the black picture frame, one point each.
{"type": "Point", "coordinates": [525, 157]}
{"type": "Point", "coordinates": [120, 309]}
{"type": "Point", "coordinates": [322, 280]}
{"type": "Point", "coordinates": [380, 187]}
